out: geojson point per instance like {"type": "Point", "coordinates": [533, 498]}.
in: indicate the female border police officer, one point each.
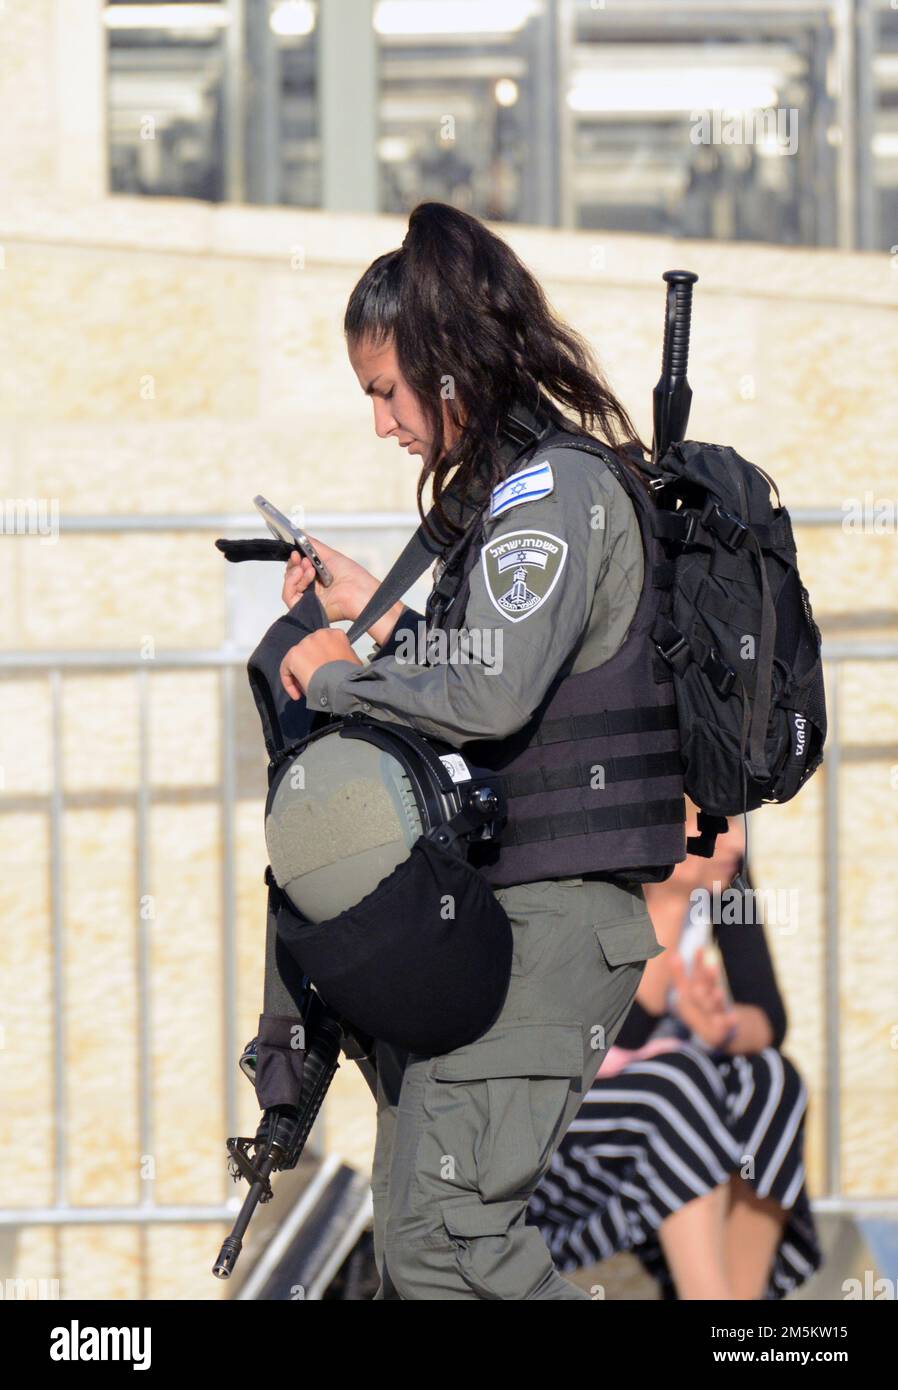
{"type": "Point", "coordinates": [448, 334]}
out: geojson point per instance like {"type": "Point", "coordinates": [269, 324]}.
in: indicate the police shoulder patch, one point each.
{"type": "Point", "coordinates": [534, 480]}
{"type": "Point", "coordinates": [521, 569]}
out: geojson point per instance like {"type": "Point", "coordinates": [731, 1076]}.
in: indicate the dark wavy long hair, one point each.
{"type": "Point", "coordinates": [471, 325]}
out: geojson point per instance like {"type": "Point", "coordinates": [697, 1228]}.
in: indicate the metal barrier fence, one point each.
{"type": "Point", "coordinates": [55, 663]}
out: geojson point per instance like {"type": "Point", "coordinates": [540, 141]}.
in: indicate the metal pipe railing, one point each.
{"type": "Point", "coordinates": [225, 660]}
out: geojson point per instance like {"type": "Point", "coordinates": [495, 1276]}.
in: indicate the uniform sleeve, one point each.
{"type": "Point", "coordinates": [531, 592]}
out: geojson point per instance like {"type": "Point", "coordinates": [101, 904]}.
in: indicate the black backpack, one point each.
{"type": "Point", "coordinates": [739, 636]}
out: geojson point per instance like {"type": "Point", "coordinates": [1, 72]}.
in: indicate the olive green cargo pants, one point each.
{"type": "Point", "coordinates": [463, 1139]}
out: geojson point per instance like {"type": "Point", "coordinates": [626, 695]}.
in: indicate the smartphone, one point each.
{"type": "Point", "coordinates": [697, 935]}
{"type": "Point", "coordinates": [283, 529]}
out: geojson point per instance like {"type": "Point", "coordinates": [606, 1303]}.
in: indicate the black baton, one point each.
{"type": "Point", "coordinates": [673, 395]}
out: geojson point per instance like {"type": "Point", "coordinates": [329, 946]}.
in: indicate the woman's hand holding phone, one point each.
{"type": "Point", "coordinates": [344, 598]}
{"type": "Point", "coordinates": [703, 1001]}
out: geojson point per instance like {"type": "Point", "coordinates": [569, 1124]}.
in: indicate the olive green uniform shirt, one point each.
{"type": "Point", "coordinates": [579, 580]}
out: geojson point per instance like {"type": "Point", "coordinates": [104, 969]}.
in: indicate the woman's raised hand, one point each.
{"type": "Point", "coordinates": [702, 1001]}
{"type": "Point", "coordinates": [351, 588]}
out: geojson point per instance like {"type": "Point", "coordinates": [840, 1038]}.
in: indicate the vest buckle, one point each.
{"type": "Point", "coordinates": [678, 654]}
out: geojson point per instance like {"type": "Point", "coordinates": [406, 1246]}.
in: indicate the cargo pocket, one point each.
{"type": "Point", "coordinates": [522, 1074]}
{"type": "Point", "coordinates": [622, 943]}
{"type": "Point", "coordinates": [498, 1254]}
{"type": "Point", "coordinates": [466, 1220]}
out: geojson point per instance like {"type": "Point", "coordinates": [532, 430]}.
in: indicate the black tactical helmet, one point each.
{"type": "Point", "coordinates": [367, 825]}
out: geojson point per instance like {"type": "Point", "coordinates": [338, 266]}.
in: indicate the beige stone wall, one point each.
{"type": "Point", "coordinates": [173, 357]}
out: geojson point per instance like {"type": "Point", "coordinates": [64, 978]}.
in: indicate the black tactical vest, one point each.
{"type": "Point", "coordinates": [594, 780]}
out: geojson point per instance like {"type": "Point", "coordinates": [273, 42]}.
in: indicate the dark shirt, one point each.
{"type": "Point", "coordinates": [750, 974]}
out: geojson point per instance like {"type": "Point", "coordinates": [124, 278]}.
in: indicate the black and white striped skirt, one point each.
{"type": "Point", "coordinates": [667, 1129]}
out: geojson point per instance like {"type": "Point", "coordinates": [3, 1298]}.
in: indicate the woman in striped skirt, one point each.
{"type": "Point", "coordinates": [689, 1148]}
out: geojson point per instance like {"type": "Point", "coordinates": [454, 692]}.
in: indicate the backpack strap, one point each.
{"type": "Point", "coordinates": [760, 711]}
{"type": "Point", "coordinates": [419, 552]}
{"type": "Point", "coordinates": [522, 429]}
{"type": "Point", "coordinates": [683, 527]}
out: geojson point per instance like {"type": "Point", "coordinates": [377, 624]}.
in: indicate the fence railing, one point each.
{"type": "Point", "coordinates": [55, 664]}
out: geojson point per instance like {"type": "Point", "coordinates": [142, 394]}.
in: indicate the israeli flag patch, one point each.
{"type": "Point", "coordinates": [536, 480]}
